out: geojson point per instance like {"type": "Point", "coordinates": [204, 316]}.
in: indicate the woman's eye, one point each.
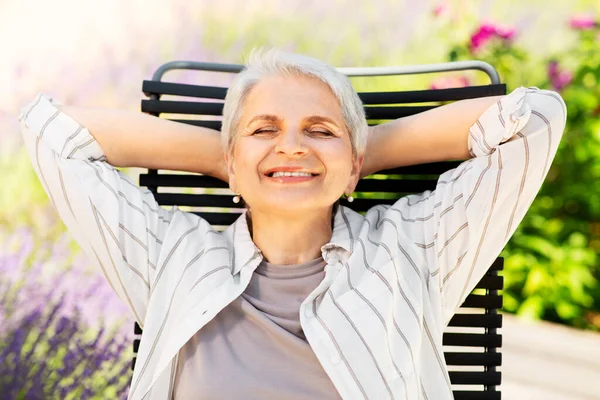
{"type": "Point", "coordinates": [265, 130]}
{"type": "Point", "coordinates": [327, 133]}
{"type": "Point", "coordinates": [273, 130]}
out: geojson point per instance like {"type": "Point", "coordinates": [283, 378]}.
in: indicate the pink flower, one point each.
{"type": "Point", "coordinates": [488, 31]}
{"type": "Point", "coordinates": [482, 36]}
{"type": "Point", "coordinates": [583, 22]}
{"type": "Point", "coordinates": [440, 9]}
{"type": "Point", "coordinates": [505, 32]}
{"type": "Point", "coordinates": [558, 78]}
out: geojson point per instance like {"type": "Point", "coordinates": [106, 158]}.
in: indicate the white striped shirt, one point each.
{"type": "Point", "coordinates": [393, 280]}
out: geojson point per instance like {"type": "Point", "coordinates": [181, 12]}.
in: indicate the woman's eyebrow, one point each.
{"type": "Point", "coordinates": [313, 119]}
{"type": "Point", "coordinates": [266, 117]}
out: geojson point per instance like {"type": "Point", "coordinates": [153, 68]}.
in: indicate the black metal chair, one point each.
{"type": "Point", "coordinates": [471, 341]}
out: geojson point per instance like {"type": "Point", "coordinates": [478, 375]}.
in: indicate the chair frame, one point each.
{"type": "Point", "coordinates": [492, 282]}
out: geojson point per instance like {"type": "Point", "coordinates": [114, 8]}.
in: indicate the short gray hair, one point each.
{"type": "Point", "coordinates": [267, 62]}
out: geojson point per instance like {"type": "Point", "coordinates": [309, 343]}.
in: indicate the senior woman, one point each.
{"type": "Point", "coordinates": [300, 298]}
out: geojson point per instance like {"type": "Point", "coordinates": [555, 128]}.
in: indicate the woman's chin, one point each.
{"type": "Point", "coordinates": [293, 204]}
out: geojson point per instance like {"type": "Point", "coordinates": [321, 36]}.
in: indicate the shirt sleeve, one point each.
{"type": "Point", "coordinates": [118, 225]}
{"type": "Point", "coordinates": [462, 226]}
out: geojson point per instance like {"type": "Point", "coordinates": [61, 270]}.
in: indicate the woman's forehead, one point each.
{"type": "Point", "coordinates": [292, 96]}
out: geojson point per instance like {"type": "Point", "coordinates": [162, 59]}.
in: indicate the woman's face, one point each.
{"type": "Point", "coordinates": [292, 123]}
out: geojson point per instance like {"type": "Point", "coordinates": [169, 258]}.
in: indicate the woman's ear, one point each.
{"type": "Point", "coordinates": [355, 174]}
{"type": "Point", "coordinates": [230, 171]}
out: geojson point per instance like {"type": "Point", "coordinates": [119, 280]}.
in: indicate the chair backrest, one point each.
{"type": "Point", "coordinates": [471, 341]}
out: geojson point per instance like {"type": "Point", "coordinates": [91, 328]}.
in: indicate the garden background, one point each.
{"type": "Point", "coordinates": [64, 334]}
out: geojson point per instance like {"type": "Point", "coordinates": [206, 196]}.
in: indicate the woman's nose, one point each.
{"type": "Point", "coordinates": [290, 141]}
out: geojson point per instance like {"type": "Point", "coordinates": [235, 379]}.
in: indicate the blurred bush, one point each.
{"type": "Point", "coordinates": [552, 266]}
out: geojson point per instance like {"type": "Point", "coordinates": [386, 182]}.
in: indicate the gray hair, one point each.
{"type": "Point", "coordinates": [265, 62]}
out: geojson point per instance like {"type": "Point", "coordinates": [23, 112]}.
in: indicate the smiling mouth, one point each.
{"type": "Point", "coordinates": [290, 174]}
{"type": "Point", "coordinates": [290, 179]}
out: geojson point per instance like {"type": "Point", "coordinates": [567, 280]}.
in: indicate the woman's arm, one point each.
{"type": "Point", "coordinates": [436, 135]}
{"type": "Point", "coordinates": [459, 228]}
{"type": "Point", "coordinates": [119, 226]}
{"type": "Point", "coordinates": [135, 139]}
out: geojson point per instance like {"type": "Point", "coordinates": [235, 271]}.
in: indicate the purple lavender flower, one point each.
{"type": "Point", "coordinates": [51, 343]}
{"type": "Point", "coordinates": [583, 22]}
{"type": "Point", "coordinates": [37, 375]}
{"type": "Point", "coordinates": [84, 291]}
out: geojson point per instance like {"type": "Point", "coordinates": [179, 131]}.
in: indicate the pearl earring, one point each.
{"type": "Point", "coordinates": [349, 198]}
{"type": "Point", "coordinates": [236, 198]}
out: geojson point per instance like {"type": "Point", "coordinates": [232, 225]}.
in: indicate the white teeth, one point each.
{"type": "Point", "coordinates": [277, 174]}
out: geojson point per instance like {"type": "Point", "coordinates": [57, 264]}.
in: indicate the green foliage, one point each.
{"type": "Point", "coordinates": [552, 266]}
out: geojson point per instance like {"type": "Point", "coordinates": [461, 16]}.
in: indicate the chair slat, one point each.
{"type": "Point", "coordinates": [483, 301]}
{"type": "Point", "coordinates": [182, 107]}
{"type": "Point", "coordinates": [472, 339]}
{"type": "Point", "coordinates": [497, 265]}
{"type": "Point", "coordinates": [217, 200]}
{"type": "Point", "coordinates": [182, 89]}
{"type": "Point", "coordinates": [476, 395]}
{"type": "Point", "coordinates": [197, 200]}
{"type": "Point", "coordinates": [429, 96]}
{"type": "Point", "coordinates": [436, 168]}
{"type": "Point", "coordinates": [491, 282]}
{"type": "Point", "coordinates": [362, 205]}
{"type": "Point", "coordinates": [221, 219]}
{"type": "Point", "coordinates": [475, 378]}
{"type": "Point", "coordinates": [414, 96]}
{"type": "Point", "coordinates": [476, 320]}
{"type": "Point", "coordinates": [395, 185]}
{"type": "Point", "coordinates": [364, 185]}
{"type": "Point", "coordinates": [182, 181]}
{"type": "Point", "coordinates": [473, 359]}
{"type": "Point", "coordinates": [216, 125]}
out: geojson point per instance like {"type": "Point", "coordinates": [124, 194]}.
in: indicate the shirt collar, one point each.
{"type": "Point", "coordinates": [346, 227]}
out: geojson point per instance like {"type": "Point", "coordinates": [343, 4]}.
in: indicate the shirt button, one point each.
{"type": "Point", "coordinates": [335, 359]}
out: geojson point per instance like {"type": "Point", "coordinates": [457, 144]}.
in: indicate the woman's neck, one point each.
{"type": "Point", "coordinates": [291, 239]}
